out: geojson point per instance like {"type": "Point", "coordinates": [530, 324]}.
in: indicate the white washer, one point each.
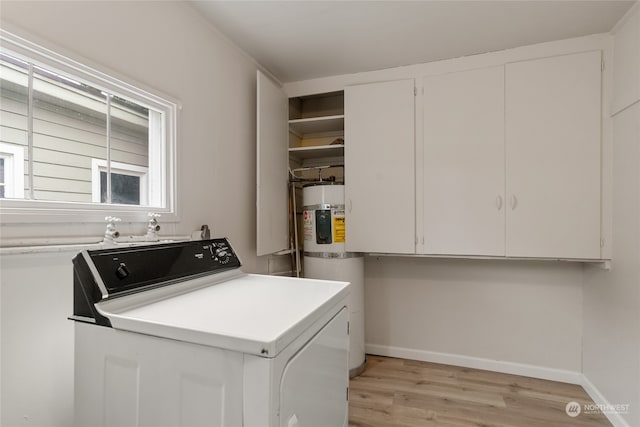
{"type": "Point", "coordinates": [177, 335]}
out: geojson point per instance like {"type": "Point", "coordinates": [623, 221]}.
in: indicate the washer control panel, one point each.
{"type": "Point", "coordinates": [111, 273]}
{"type": "Point", "coordinates": [128, 269]}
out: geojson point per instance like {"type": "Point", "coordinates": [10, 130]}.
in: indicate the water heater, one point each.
{"type": "Point", "coordinates": [325, 257]}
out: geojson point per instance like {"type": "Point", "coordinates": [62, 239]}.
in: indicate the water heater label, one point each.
{"type": "Point", "coordinates": [338, 226]}
{"type": "Point", "coordinates": [307, 221]}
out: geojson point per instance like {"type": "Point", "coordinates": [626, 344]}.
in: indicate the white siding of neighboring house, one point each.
{"type": "Point", "coordinates": [65, 140]}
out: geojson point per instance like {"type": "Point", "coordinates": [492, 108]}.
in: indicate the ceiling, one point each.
{"type": "Point", "coordinates": [299, 40]}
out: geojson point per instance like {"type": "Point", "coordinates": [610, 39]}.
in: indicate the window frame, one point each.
{"type": "Point", "coordinates": [25, 211]}
{"type": "Point", "coordinates": [13, 156]}
{"type": "Point", "coordinates": [100, 165]}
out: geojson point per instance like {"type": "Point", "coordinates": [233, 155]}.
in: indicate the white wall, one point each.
{"type": "Point", "coordinates": [37, 340]}
{"type": "Point", "coordinates": [611, 358]}
{"type": "Point", "coordinates": [164, 46]}
{"type": "Point", "coordinates": [473, 312]}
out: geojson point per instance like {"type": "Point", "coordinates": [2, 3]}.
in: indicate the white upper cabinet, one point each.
{"type": "Point", "coordinates": [464, 163]}
{"type": "Point", "coordinates": [553, 119]}
{"type": "Point", "coordinates": [272, 168]}
{"type": "Point", "coordinates": [380, 167]}
{"type": "Point", "coordinates": [505, 158]}
{"type": "Point", "coordinates": [512, 159]}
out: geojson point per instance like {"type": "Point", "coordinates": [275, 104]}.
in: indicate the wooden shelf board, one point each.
{"type": "Point", "coordinates": [317, 152]}
{"type": "Point", "coordinates": [317, 124]}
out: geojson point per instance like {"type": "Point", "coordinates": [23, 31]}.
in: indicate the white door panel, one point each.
{"type": "Point", "coordinates": [120, 380]}
{"type": "Point", "coordinates": [553, 115]}
{"type": "Point", "coordinates": [464, 162]}
{"type": "Point", "coordinates": [380, 167]}
{"type": "Point", "coordinates": [272, 168]}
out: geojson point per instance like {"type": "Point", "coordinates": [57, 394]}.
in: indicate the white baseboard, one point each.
{"type": "Point", "coordinates": [599, 399]}
{"type": "Point", "coordinates": [552, 374]}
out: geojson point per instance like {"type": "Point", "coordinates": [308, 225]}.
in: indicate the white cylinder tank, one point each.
{"type": "Point", "coordinates": [325, 257]}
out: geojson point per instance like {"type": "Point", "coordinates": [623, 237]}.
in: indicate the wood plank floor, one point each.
{"type": "Point", "coordinates": [407, 393]}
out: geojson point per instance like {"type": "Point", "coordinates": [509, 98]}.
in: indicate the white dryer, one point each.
{"type": "Point", "coordinates": [176, 335]}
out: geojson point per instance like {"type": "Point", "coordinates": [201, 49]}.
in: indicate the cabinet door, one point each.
{"type": "Point", "coordinates": [380, 167]}
{"type": "Point", "coordinates": [464, 162]}
{"type": "Point", "coordinates": [272, 224]}
{"type": "Point", "coordinates": [553, 115]}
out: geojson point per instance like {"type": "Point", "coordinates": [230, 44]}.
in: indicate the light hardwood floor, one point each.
{"type": "Point", "coordinates": [403, 393]}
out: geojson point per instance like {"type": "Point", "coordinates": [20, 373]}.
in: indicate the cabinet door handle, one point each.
{"type": "Point", "coordinates": [514, 201]}
{"type": "Point", "coordinates": [350, 205]}
{"type": "Point", "coordinates": [499, 202]}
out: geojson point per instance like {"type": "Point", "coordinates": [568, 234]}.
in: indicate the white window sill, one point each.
{"type": "Point", "coordinates": [80, 244]}
{"type": "Point", "coordinates": [42, 212]}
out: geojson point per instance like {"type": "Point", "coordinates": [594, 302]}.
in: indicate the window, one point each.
{"type": "Point", "coordinates": [85, 142]}
{"type": "Point", "coordinates": [128, 183]}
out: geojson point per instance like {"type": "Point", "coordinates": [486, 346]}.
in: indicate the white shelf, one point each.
{"type": "Point", "coordinates": [317, 152]}
{"type": "Point", "coordinates": [315, 125]}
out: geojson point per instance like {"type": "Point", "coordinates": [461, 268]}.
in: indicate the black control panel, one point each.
{"type": "Point", "coordinates": [323, 226]}
{"type": "Point", "coordinates": [134, 269]}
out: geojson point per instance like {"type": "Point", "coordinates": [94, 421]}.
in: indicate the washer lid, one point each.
{"type": "Point", "coordinates": [248, 313]}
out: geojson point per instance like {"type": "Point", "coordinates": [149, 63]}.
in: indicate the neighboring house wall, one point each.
{"type": "Point", "coordinates": [66, 138]}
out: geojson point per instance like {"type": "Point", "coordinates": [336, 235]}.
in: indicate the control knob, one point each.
{"type": "Point", "coordinates": [122, 272]}
{"type": "Point", "coordinates": [222, 255]}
